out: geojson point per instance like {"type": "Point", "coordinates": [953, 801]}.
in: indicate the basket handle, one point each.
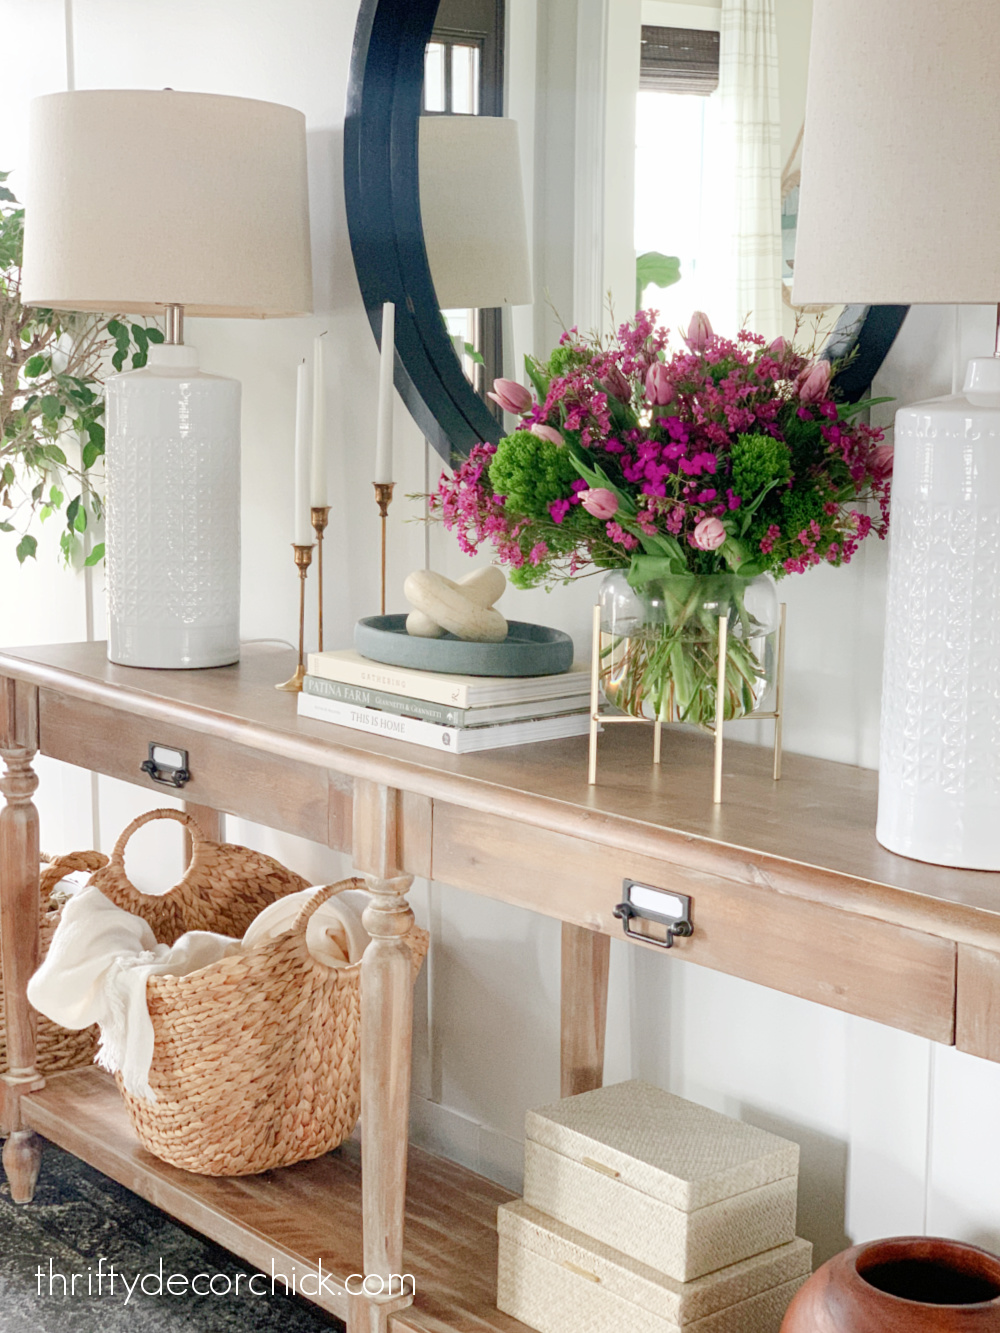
{"type": "Point", "coordinates": [61, 866]}
{"type": "Point", "coordinates": [328, 891]}
{"type": "Point", "coordinates": [198, 839]}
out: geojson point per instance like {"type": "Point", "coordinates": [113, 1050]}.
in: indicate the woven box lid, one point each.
{"type": "Point", "coordinates": [678, 1303]}
{"type": "Point", "coordinates": [673, 1150]}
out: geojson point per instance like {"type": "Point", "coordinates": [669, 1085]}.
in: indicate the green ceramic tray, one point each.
{"type": "Point", "coordinates": [528, 650]}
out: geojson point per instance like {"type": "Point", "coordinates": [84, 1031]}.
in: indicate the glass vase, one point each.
{"type": "Point", "coordinates": [659, 645]}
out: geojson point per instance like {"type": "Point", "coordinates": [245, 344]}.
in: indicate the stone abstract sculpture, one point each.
{"type": "Point", "coordinates": [464, 609]}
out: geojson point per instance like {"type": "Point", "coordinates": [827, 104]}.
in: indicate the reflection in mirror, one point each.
{"type": "Point", "coordinates": [451, 78]}
{"type": "Point", "coordinates": [472, 207]}
{"type": "Point", "coordinates": [678, 73]}
{"type": "Point", "coordinates": [713, 97]}
{"type": "Point", "coordinates": [463, 76]}
{"type": "Point", "coordinates": [573, 79]}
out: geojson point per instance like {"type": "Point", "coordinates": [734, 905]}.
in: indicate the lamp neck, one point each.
{"type": "Point", "coordinates": [174, 314]}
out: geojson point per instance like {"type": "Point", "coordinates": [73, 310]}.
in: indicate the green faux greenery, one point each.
{"type": "Point", "coordinates": [52, 363]}
{"type": "Point", "coordinates": [531, 472]}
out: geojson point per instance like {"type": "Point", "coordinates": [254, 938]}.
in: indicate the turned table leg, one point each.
{"type": "Point", "coordinates": [19, 859]}
{"type": "Point", "coordinates": [584, 985]}
{"type": "Point", "coordinates": [386, 1052]}
{"type": "Point", "coordinates": [386, 1039]}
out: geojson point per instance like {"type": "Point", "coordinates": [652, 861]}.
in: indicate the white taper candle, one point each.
{"type": "Point", "coordinates": [383, 437]}
{"type": "Point", "coordinates": [318, 479]}
{"type": "Point", "coordinates": [302, 526]}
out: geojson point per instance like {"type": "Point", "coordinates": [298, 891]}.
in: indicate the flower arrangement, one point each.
{"type": "Point", "coordinates": [723, 459]}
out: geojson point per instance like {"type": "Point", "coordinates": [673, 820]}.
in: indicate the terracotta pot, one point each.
{"type": "Point", "coordinates": [911, 1284]}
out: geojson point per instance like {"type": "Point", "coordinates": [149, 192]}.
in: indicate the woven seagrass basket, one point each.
{"type": "Point", "coordinates": [57, 1048]}
{"type": "Point", "coordinates": [256, 1058]}
{"type": "Point", "coordinates": [223, 888]}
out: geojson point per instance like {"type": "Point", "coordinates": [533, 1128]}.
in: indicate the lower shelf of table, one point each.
{"type": "Point", "coordinates": [299, 1215]}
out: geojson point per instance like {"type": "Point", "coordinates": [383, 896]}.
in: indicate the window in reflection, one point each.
{"type": "Point", "coordinates": [465, 80]}
{"type": "Point", "coordinates": [676, 205]}
{"type": "Point", "coordinates": [451, 78]}
{"type": "Point", "coordinates": [669, 205]}
{"type": "Point", "coordinates": [434, 84]}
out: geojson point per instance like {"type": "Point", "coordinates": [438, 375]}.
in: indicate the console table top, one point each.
{"type": "Point", "coordinates": [812, 832]}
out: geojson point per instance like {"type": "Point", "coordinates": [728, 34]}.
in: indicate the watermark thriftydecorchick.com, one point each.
{"type": "Point", "coordinates": [107, 1280]}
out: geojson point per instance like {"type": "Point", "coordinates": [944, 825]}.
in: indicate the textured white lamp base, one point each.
{"type": "Point", "coordinates": [939, 768]}
{"type": "Point", "coordinates": [173, 514]}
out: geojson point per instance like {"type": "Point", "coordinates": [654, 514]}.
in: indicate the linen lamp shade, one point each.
{"type": "Point", "coordinates": [899, 204]}
{"type": "Point", "coordinates": [472, 209]}
{"type": "Point", "coordinates": [900, 192]}
{"type": "Point", "coordinates": [139, 199]}
{"type": "Point", "coordinates": [148, 203]}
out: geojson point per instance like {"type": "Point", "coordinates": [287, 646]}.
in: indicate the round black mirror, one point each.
{"type": "Point", "coordinates": [382, 188]}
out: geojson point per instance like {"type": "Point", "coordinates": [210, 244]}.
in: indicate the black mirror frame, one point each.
{"type": "Point", "coordinates": [865, 333]}
{"type": "Point", "coordinates": [382, 189]}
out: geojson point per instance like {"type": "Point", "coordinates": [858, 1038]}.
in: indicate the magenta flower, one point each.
{"type": "Point", "coordinates": [659, 389]}
{"type": "Point", "coordinates": [699, 331]}
{"type": "Point", "coordinates": [708, 535]}
{"type": "Point", "coordinates": [511, 396]}
{"type": "Point", "coordinates": [689, 435]}
{"type": "Point", "coordinates": [600, 502]}
{"type": "Point", "coordinates": [814, 382]}
{"type": "Point", "coordinates": [545, 432]}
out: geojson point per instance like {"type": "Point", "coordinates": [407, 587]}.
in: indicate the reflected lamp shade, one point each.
{"type": "Point", "coordinates": [199, 204]}
{"type": "Point", "coordinates": [899, 204]}
{"type": "Point", "coordinates": [472, 210]}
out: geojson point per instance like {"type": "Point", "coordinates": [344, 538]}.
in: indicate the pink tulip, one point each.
{"type": "Point", "coordinates": [600, 502]}
{"type": "Point", "coordinates": [511, 396]}
{"type": "Point", "coordinates": [699, 332]}
{"type": "Point", "coordinates": [778, 348]}
{"type": "Point", "coordinates": [881, 461]}
{"type": "Point", "coordinates": [659, 389]}
{"type": "Point", "coordinates": [617, 385]}
{"type": "Point", "coordinates": [546, 433]}
{"type": "Point", "coordinates": [709, 535]}
{"type": "Point", "coordinates": [814, 382]}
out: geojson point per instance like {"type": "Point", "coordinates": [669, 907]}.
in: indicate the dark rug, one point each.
{"type": "Point", "coordinates": [77, 1217]}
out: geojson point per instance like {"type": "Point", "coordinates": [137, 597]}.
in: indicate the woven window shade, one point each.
{"type": "Point", "coordinates": [679, 60]}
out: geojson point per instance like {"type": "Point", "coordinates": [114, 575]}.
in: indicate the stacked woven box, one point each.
{"type": "Point", "coordinates": [645, 1213]}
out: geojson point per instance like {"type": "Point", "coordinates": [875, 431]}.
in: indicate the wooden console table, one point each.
{"type": "Point", "coordinates": [789, 889]}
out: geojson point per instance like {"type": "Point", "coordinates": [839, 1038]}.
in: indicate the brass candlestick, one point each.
{"type": "Point", "coordinates": [303, 559]}
{"type": "Point", "coordinates": [383, 498]}
{"type": "Point", "coordinates": [320, 517]}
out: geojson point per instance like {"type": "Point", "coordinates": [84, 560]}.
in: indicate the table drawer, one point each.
{"type": "Point", "coordinates": [295, 797]}
{"type": "Point", "coordinates": [844, 960]}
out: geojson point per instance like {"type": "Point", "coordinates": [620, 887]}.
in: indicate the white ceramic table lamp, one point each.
{"type": "Point", "coordinates": [899, 205]}
{"type": "Point", "coordinates": [200, 206]}
{"type": "Point", "coordinates": [472, 210]}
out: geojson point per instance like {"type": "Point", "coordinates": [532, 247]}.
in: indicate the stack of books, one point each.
{"type": "Point", "coordinates": [461, 714]}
